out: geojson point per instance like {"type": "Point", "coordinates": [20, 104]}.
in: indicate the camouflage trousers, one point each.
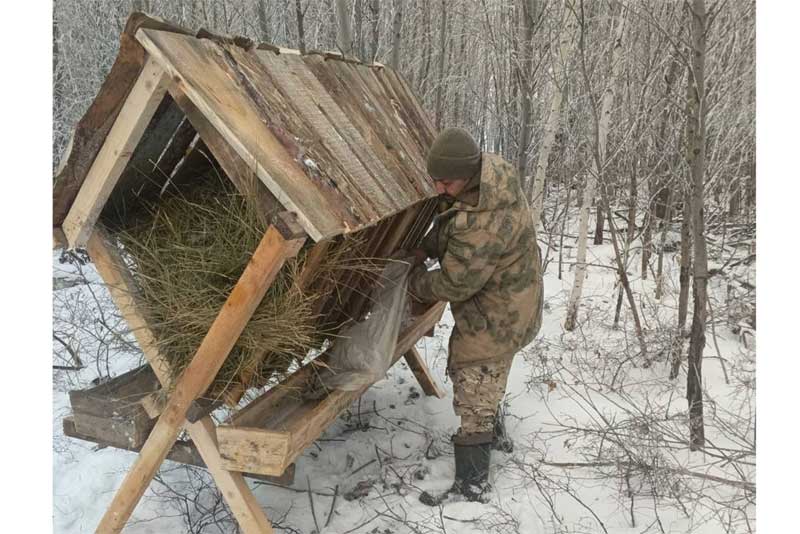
{"type": "Point", "coordinates": [477, 392]}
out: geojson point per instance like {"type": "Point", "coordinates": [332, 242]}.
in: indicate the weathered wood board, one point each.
{"type": "Point", "coordinates": [272, 431]}
{"type": "Point", "coordinates": [183, 452]}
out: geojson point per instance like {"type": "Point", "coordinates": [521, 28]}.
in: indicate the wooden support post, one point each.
{"type": "Point", "coordinates": [248, 513]}
{"type": "Point", "coordinates": [133, 118]}
{"type": "Point", "coordinates": [246, 295]}
{"type": "Point", "coordinates": [420, 369]}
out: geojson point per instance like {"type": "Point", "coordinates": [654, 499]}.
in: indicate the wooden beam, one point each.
{"type": "Point", "coordinates": [112, 269]}
{"type": "Point", "coordinates": [236, 169]}
{"type": "Point", "coordinates": [270, 255]}
{"type": "Point", "coordinates": [184, 452]}
{"type": "Point", "coordinates": [272, 431]}
{"type": "Point", "coordinates": [209, 84]}
{"type": "Point", "coordinates": [426, 380]}
{"type": "Point", "coordinates": [139, 107]}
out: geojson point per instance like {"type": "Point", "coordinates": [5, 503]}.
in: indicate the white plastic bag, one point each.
{"type": "Point", "coordinates": [363, 353]}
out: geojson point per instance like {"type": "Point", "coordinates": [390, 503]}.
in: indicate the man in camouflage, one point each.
{"type": "Point", "coordinates": [490, 273]}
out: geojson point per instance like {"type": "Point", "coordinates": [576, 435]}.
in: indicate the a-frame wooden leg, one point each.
{"type": "Point", "coordinates": [140, 105]}
{"type": "Point", "coordinates": [274, 249]}
{"type": "Point", "coordinates": [426, 380]}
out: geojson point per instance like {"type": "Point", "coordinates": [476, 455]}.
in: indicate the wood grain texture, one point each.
{"type": "Point", "coordinates": [268, 258]}
{"type": "Point", "coordinates": [142, 101]}
{"type": "Point", "coordinates": [430, 386]}
{"type": "Point", "coordinates": [248, 513]}
{"type": "Point", "coordinates": [196, 67]}
{"type": "Point", "coordinates": [283, 421]}
{"type": "Point", "coordinates": [235, 168]}
{"type": "Point", "coordinates": [184, 452]}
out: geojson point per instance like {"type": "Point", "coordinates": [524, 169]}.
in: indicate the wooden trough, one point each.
{"type": "Point", "coordinates": [325, 146]}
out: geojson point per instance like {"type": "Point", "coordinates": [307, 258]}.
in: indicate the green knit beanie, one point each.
{"type": "Point", "coordinates": [454, 155]}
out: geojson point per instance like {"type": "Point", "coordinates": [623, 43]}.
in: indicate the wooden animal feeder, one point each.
{"type": "Point", "coordinates": [323, 147]}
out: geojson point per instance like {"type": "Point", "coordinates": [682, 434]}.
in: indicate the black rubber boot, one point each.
{"type": "Point", "coordinates": [500, 440]}
{"type": "Point", "coordinates": [473, 456]}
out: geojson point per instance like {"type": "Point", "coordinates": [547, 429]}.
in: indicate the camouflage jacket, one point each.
{"type": "Point", "coordinates": [490, 268]}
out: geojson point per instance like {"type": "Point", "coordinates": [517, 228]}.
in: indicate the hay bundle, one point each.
{"type": "Point", "coordinates": [187, 253]}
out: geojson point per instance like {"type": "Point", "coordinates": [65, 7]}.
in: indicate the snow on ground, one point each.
{"type": "Point", "coordinates": [600, 440]}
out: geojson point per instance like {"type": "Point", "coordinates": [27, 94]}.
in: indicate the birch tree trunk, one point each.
{"type": "Point", "coordinates": [397, 24]}
{"type": "Point", "coordinates": [565, 49]}
{"type": "Point", "coordinates": [375, 10]}
{"type": "Point", "coordinates": [696, 146]}
{"type": "Point", "coordinates": [524, 72]}
{"type": "Point", "coordinates": [603, 125]}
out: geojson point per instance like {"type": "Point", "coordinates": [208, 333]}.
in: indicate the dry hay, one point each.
{"type": "Point", "coordinates": [187, 253]}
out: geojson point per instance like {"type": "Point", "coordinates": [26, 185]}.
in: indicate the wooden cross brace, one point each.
{"type": "Point", "coordinates": [275, 248]}
{"type": "Point", "coordinates": [281, 242]}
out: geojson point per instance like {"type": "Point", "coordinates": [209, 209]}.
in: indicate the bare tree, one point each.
{"type": "Point", "coordinates": [566, 43]}
{"type": "Point", "coordinates": [397, 24]}
{"type": "Point", "coordinates": [344, 34]}
{"type": "Point", "coordinates": [438, 115]}
{"type": "Point", "coordinates": [301, 33]}
{"type": "Point", "coordinates": [263, 20]}
{"type": "Point", "coordinates": [375, 8]}
{"type": "Point", "coordinates": [696, 152]}
{"type": "Point", "coordinates": [603, 123]}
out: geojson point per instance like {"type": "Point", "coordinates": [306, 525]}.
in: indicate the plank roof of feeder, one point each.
{"type": "Point", "coordinates": [340, 143]}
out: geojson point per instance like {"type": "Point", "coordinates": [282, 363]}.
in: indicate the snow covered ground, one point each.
{"type": "Point", "coordinates": [600, 439]}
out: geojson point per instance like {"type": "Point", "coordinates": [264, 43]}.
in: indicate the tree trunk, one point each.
{"type": "Point", "coordinates": [301, 34]}
{"type": "Point", "coordinates": [602, 125]}
{"type": "Point", "coordinates": [598, 226]}
{"type": "Point", "coordinates": [566, 44]}
{"type": "Point", "coordinates": [662, 243]}
{"type": "Point", "coordinates": [397, 24]}
{"type": "Point", "coordinates": [263, 20]}
{"type": "Point", "coordinates": [696, 137]}
{"type": "Point", "coordinates": [425, 62]}
{"type": "Point", "coordinates": [442, 54]}
{"type": "Point", "coordinates": [660, 192]}
{"type": "Point", "coordinates": [375, 10]}
{"type": "Point", "coordinates": [524, 72]}
{"type": "Point", "coordinates": [628, 236]}
{"type": "Point", "coordinates": [359, 30]}
{"type": "Point", "coordinates": [344, 34]}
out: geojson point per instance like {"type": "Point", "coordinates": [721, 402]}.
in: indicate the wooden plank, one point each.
{"type": "Point", "coordinates": [121, 431]}
{"type": "Point", "coordinates": [144, 98]}
{"type": "Point", "coordinates": [235, 168]}
{"type": "Point", "coordinates": [368, 173]}
{"type": "Point", "coordinates": [115, 274]}
{"type": "Point", "coordinates": [370, 203]}
{"type": "Point", "coordinates": [282, 415]}
{"type": "Point", "coordinates": [246, 295]}
{"type": "Point", "coordinates": [366, 107]}
{"type": "Point", "coordinates": [193, 66]}
{"type": "Point", "coordinates": [254, 450]}
{"type": "Point", "coordinates": [426, 380]}
{"type": "Point", "coordinates": [184, 452]}
{"type": "Point", "coordinates": [121, 396]}
{"type": "Point", "coordinates": [139, 180]}
{"type": "Point", "coordinates": [121, 286]}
